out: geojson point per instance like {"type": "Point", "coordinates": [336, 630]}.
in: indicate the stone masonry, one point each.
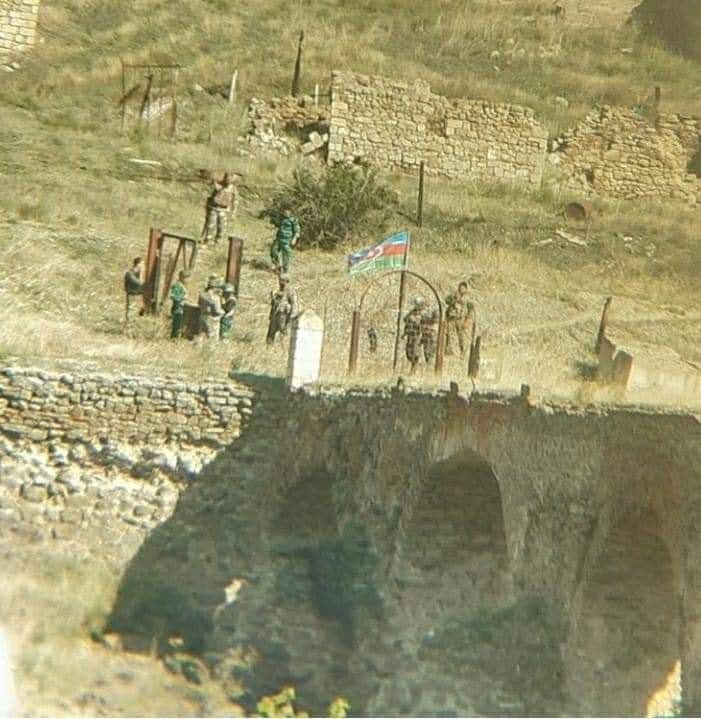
{"type": "Point", "coordinates": [396, 124]}
{"type": "Point", "coordinates": [616, 152]}
{"type": "Point", "coordinates": [17, 25]}
{"type": "Point", "coordinates": [42, 406]}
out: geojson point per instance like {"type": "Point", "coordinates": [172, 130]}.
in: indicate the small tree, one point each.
{"type": "Point", "coordinates": [337, 204]}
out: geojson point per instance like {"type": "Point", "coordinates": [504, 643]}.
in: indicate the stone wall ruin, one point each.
{"type": "Point", "coordinates": [17, 25]}
{"type": "Point", "coordinates": [397, 124]}
{"type": "Point", "coordinates": [616, 152]}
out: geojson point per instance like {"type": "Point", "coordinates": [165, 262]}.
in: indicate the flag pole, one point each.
{"type": "Point", "coordinates": [400, 310]}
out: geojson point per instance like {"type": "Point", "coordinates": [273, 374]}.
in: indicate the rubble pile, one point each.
{"type": "Point", "coordinates": [287, 125]}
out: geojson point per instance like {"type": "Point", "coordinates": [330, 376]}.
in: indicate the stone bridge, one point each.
{"type": "Point", "coordinates": [439, 554]}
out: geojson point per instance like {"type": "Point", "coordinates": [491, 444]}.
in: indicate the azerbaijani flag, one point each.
{"type": "Point", "coordinates": [390, 254]}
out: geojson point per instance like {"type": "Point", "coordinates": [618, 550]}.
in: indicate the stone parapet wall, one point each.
{"type": "Point", "coordinates": [17, 25]}
{"type": "Point", "coordinates": [43, 405]}
{"type": "Point", "coordinates": [616, 152]}
{"type": "Point", "coordinates": [396, 124]}
{"type": "Point", "coordinates": [598, 12]}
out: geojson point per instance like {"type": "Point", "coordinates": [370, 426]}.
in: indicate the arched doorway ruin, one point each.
{"type": "Point", "coordinates": [625, 649]}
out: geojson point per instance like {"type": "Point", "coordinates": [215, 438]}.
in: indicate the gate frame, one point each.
{"type": "Point", "coordinates": [154, 266]}
{"type": "Point", "coordinates": [355, 324]}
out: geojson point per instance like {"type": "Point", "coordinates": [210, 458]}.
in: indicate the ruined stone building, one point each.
{"type": "Point", "coordinates": [18, 20]}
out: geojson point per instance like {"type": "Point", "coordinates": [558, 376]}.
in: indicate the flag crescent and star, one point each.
{"type": "Point", "coordinates": [392, 253]}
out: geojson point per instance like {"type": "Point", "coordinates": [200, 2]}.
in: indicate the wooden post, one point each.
{"type": "Point", "coordinates": [316, 95]}
{"type": "Point", "coordinates": [355, 336]}
{"type": "Point", "coordinates": [658, 96]}
{"type": "Point", "coordinates": [174, 112]}
{"type": "Point", "coordinates": [124, 95]}
{"type": "Point", "coordinates": [602, 325]}
{"type": "Point", "coordinates": [232, 87]}
{"type": "Point", "coordinates": [420, 211]}
{"type": "Point", "coordinates": [233, 263]}
{"type": "Point", "coordinates": [298, 66]}
{"type": "Point", "coordinates": [400, 312]}
{"type": "Point", "coordinates": [473, 364]}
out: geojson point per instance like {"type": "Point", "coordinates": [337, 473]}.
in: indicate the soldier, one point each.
{"type": "Point", "coordinates": [133, 289]}
{"type": "Point", "coordinates": [285, 239]}
{"type": "Point", "coordinates": [221, 203]}
{"type": "Point", "coordinates": [210, 308]}
{"type": "Point", "coordinates": [429, 335]}
{"type": "Point", "coordinates": [412, 332]}
{"type": "Point", "coordinates": [283, 307]}
{"type": "Point", "coordinates": [226, 324]}
{"type": "Point", "coordinates": [178, 295]}
{"type": "Point", "coordinates": [459, 314]}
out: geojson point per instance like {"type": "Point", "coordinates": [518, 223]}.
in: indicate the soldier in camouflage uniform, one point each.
{"type": "Point", "coordinates": [178, 295]}
{"type": "Point", "coordinates": [210, 308]}
{"type": "Point", "coordinates": [412, 332]}
{"type": "Point", "coordinates": [226, 324]}
{"type": "Point", "coordinates": [283, 307]}
{"type": "Point", "coordinates": [133, 290]}
{"type": "Point", "coordinates": [285, 239]}
{"type": "Point", "coordinates": [460, 315]}
{"type": "Point", "coordinates": [429, 335]}
{"type": "Point", "coordinates": [222, 202]}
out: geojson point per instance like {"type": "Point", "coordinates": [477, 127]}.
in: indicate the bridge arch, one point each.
{"type": "Point", "coordinates": [627, 616]}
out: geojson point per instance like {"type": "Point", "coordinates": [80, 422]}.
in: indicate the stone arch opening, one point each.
{"type": "Point", "coordinates": [450, 574]}
{"type": "Point", "coordinates": [456, 538]}
{"type": "Point", "coordinates": [625, 650]}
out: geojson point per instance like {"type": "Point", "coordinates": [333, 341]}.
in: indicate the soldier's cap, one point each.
{"type": "Point", "coordinates": [183, 274]}
{"type": "Point", "coordinates": [214, 281]}
{"type": "Point", "coordinates": [284, 277]}
{"type": "Point", "coordinates": [419, 302]}
{"type": "Point", "coordinates": [228, 289]}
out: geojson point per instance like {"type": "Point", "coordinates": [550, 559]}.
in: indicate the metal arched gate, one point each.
{"type": "Point", "coordinates": [359, 316]}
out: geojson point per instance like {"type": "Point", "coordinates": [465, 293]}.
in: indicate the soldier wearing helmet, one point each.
{"type": "Point", "coordinates": [210, 307]}
{"type": "Point", "coordinates": [226, 324]}
{"type": "Point", "coordinates": [412, 332]}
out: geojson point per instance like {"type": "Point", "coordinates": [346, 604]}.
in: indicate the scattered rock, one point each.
{"type": "Point", "coordinates": [34, 492]}
{"type": "Point", "coordinates": [72, 516]}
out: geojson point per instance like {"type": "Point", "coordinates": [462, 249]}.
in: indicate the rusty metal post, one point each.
{"type": "Point", "coordinates": [170, 271]}
{"type": "Point", "coordinates": [420, 210]}
{"type": "Point", "coordinates": [354, 342]}
{"type": "Point", "coordinates": [400, 312]}
{"type": "Point", "coordinates": [233, 263]}
{"type": "Point", "coordinates": [603, 324]}
{"type": "Point", "coordinates": [473, 364]}
{"type": "Point", "coordinates": [154, 246]}
{"type": "Point", "coordinates": [440, 349]}
{"type": "Point", "coordinates": [298, 66]}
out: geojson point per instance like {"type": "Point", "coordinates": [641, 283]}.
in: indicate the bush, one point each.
{"type": "Point", "coordinates": [338, 204]}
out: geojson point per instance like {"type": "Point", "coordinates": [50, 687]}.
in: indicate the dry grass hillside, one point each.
{"type": "Point", "coordinates": [77, 209]}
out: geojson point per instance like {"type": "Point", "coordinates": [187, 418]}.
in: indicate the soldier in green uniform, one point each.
{"type": "Point", "coordinates": [283, 307]}
{"type": "Point", "coordinates": [226, 323]}
{"type": "Point", "coordinates": [178, 295]}
{"type": "Point", "coordinates": [460, 315]}
{"type": "Point", "coordinates": [285, 239]}
{"type": "Point", "coordinates": [412, 332]}
{"type": "Point", "coordinates": [210, 308]}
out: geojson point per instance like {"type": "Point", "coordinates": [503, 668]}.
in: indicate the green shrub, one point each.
{"type": "Point", "coordinates": [341, 203]}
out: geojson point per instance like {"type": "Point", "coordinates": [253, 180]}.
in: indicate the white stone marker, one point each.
{"type": "Point", "coordinates": [304, 360]}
